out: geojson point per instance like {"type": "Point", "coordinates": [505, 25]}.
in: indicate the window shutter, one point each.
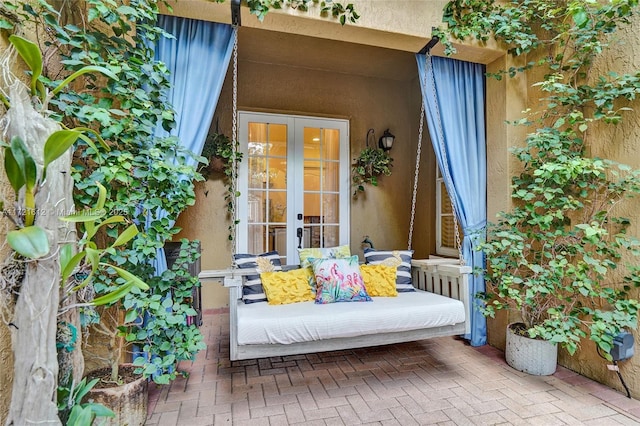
{"type": "Point", "coordinates": [445, 226]}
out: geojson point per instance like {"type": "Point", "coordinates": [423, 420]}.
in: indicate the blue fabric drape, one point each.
{"type": "Point", "coordinates": [453, 93]}
{"type": "Point", "coordinates": [198, 58]}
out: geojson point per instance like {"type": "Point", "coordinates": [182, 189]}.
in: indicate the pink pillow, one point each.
{"type": "Point", "coordinates": [339, 280]}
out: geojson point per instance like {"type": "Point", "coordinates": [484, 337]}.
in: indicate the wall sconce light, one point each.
{"type": "Point", "coordinates": [386, 140]}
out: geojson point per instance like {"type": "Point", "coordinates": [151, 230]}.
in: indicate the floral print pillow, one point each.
{"type": "Point", "coordinates": [339, 280]}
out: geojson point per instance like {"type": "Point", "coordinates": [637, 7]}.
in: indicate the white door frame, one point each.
{"type": "Point", "coordinates": [295, 176]}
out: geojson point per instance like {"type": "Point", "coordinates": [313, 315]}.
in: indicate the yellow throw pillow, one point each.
{"type": "Point", "coordinates": [380, 280]}
{"type": "Point", "coordinates": [288, 287]}
{"type": "Point", "coordinates": [338, 252]}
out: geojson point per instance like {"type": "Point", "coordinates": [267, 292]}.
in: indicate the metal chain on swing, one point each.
{"type": "Point", "coordinates": [415, 178]}
{"type": "Point", "coordinates": [234, 138]}
{"type": "Point", "coordinates": [445, 173]}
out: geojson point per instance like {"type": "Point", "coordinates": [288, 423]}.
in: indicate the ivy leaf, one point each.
{"type": "Point", "coordinates": [131, 316]}
{"type": "Point", "coordinates": [580, 18]}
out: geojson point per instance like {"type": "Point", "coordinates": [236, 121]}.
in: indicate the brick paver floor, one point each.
{"type": "Point", "coordinates": [439, 381]}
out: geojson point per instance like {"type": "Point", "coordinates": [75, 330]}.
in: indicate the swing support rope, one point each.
{"type": "Point", "coordinates": [445, 173]}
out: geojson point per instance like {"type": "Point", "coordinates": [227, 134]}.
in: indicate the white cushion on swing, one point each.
{"type": "Point", "coordinates": [261, 323]}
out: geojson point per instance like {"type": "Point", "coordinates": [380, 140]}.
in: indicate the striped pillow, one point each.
{"type": "Point", "coordinates": [404, 283]}
{"type": "Point", "coordinates": [252, 291]}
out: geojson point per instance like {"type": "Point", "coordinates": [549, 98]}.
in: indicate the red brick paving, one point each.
{"type": "Point", "coordinates": [440, 381]}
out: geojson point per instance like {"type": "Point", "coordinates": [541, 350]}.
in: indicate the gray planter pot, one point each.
{"type": "Point", "coordinates": [532, 356]}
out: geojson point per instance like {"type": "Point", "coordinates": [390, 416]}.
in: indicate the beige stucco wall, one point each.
{"type": "Point", "coordinates": [376, 92]}
{"type": "Point", "coordinates": [619, 143]}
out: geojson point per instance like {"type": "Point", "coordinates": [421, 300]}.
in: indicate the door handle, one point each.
{"type": "Point", "coordinates": [299, 235]}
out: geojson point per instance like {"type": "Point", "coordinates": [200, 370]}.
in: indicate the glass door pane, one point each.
{"type": "Point", "coordinates": [267, 192]}
{"type": "Point", "coordinates": [321, 186]}
{"type": "Point", "coordinates": [294, 184]}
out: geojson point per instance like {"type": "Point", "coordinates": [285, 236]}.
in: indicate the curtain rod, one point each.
{"type": "Point", "coordinates": [235, 13]}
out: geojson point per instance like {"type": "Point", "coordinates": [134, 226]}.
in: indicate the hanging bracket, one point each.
{"type": "Point", "coordinates": [427, 47]}
{"type": "Point", "coordinates": [235, 13]}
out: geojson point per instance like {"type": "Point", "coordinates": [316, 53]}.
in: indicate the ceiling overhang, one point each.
{"type": "Point", "coordinates": [378, 25]}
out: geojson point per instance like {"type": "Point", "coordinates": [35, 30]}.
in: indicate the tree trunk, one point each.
{"type": "Point", "coordinates": [33, 399]}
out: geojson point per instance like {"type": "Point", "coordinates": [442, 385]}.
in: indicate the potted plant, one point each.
{"type": "Point", "coordinates": [153, 329]}
{"type": "Point", "coordinates": [561, 257]}
{"type": "Point", "coordinates": [116, 385]}
{"type": "Point", "coordinates": [368, 167]}
{"type": "Point", "coordinates": [219, 151]}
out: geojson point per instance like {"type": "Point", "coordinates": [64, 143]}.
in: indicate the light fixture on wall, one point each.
{"type": "Point", "coordinates": [386, 140]}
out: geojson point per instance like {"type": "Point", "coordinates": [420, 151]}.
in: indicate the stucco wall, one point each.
{"type": "Point", "coordinates": [620, 143]}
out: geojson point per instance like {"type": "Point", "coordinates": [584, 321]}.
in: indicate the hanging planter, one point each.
{"type": "Point", "coordinates": [217, 164]}
{"type": "Point", "coordinates": [218, 149]}
{"type": "Point", "coordinates": [369, 166]}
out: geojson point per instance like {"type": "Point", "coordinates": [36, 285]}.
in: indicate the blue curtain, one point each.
{"type": "Point", "coordinates": [198, 58]}
{"type": "Point", "coordinates": [453, 93]}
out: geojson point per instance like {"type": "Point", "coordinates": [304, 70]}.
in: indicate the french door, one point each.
{"type": "Point", "coordinates": [294, 183]}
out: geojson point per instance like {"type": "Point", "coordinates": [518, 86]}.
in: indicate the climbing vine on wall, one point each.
{"type": "Point", "coordinates": [559, 256]}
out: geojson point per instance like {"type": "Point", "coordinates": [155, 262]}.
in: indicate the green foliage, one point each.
{"type": "Point", "coordinates": [561, 257]}
{"type": "Point", "coordinates": [368, 167]}
{"type": "Point", "coordinates": [166, 336]}
{"type": "Point", "coordinates": [73, 412]}
{"type": "Point", "coordinates": [86, 263]}
{"type": "Point", "coordinates": [150, 181]}
{"type": "Point", "coordinates": [260, 8]}
{"type": "Point", "coordinates": [30, 240]}
{"type": "Point", "coordinates": [218, 145]}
